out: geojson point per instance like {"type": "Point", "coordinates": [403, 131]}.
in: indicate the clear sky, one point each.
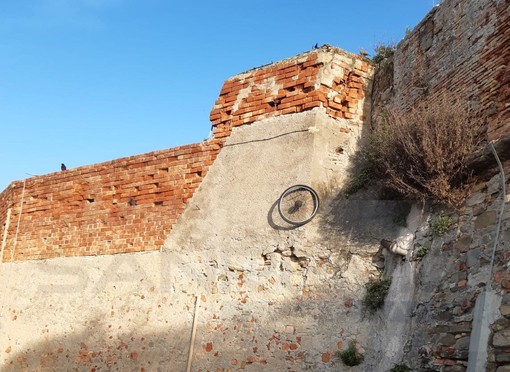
{"type": "Point", "coordinates": [86, 81]}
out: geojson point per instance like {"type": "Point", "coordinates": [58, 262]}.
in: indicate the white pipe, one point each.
{"type": "Point", "coordinates": [395, 248]}
{"type": "Point", "coordinates": [402, 245]}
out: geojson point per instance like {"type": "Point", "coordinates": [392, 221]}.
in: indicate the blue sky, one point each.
{"type": "Point", "coordinates": [86, 81]}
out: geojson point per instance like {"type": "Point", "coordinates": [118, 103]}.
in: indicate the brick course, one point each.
{"type": "Point", "coordinates": [326, 77]}
{"type": "Point", "coordinates": [125, 205]}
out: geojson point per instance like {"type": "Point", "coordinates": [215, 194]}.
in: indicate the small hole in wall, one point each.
{"type": "Point", "coordinates": [339, 150]}
{"type": "Point", "coordinates": [275, 102]}
{"type": "Point", "coordinates": [158, 203]}
{"type": "Point", "coordinates": [199, 173]}
{"type": "Point", "coordinates": [90, 200]}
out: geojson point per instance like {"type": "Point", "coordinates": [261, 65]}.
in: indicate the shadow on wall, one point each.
{"type": "Point", "coordinates": [286, 335]}
{"type": "Point", "coordinates": [275, 221]}
{"type": "Point", "coordinates": [356, 213]}
{"type": "Point", "coordinates": [102, 348]}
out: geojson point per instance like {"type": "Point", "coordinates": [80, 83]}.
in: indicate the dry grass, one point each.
{"type": "Point", "coordinates": [422, 153]}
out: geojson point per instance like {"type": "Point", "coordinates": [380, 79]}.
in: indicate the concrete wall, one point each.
{"type": "Point", "coordinates": [270, 295]}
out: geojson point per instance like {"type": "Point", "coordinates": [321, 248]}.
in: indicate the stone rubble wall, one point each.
{"type": "Point", "coordinates": [452, 272]}
{"type": "Point", "coordinates": [460, 50]}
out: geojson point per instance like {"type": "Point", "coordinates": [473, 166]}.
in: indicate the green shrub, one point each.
{"type": "Point", "coordinates": [376, 293]}
{"type": "Point", "coordinates": [441, 225]}
{"type": "Point", "coordinates": [400, 367]}
{"type": "Point", "coordinates": [351, 356]}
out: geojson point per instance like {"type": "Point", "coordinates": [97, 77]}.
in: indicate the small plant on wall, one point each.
{"type": "Point", "coordinates": [400, 367]}
{"type": "Point", "coordinates": [351, 356]}
{"type": "Point", "coordinates": [376, 294]}
{"type": "Point", "coordinates": [360, 181]}
{"type": "Point", "coordinates": [421, 252]}
{"type": "Point", "coordinates": [441, 225]}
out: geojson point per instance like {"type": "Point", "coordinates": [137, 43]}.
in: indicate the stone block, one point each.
{"type": "Point", "coordinates": [456, 368]}
{"type": "Point", "coordinates": [486, 219]}
{"type": "Point", "coordinates": [478, 209]}
{"type": "Point", "coordinates": [446, 339]}
{"type": "Point", "coordinates": [462, 244]}
{"type": "Point", "coordinates": [505, 235]}
{"type": "Point", "coordinates": [506, 299]}
{"type": "Point", "coordinates": [462, 344]}
{"type": "Point", "coordinates": [502, 356]}
{"type": "Point", "coordinates": [505, 310]}
{"type": "Point", "coordinates": [494, 185]}
{"type": "Point", "coordinates": [473, 257]}
{"type": "Point", "coordinates": [501, 338]}
{"type": "Point", "coordinates": [503, 368]}
{"type": "Point", "coordinates": [476, 198]}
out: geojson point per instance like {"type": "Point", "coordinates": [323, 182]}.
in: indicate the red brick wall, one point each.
{"type": "Point", "coordinates": [87, 210]}
{"type": "Point", "coordinates": [326, 77]}
{"type": "Point", "coordinates": [462, 48]}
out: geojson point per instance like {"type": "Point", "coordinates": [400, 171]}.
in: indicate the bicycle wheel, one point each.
{"type": "Point", "coordinates": [298, 204]}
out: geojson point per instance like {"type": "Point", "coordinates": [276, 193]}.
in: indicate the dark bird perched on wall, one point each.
{"type": "Point", "coordinates": [316, 46]}
{"type": "Point", "coordinates": [63, 167]}
{"type": "Point", "coordinates": [132, 202]}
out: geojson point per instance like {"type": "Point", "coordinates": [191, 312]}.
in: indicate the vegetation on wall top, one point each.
{"type": "Point", "coordinates": [382, 52]}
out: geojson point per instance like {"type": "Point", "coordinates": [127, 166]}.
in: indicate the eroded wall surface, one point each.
{"type": "Point", "coordinates": [270, 295]}
{"type": "Point", "coordinates": [131, 204]}
{"type": "Point", "coordinates": [453, 270]}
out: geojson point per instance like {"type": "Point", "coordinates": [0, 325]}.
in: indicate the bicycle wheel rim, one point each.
{"type": "Point", "coordinates": [298, 204]}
